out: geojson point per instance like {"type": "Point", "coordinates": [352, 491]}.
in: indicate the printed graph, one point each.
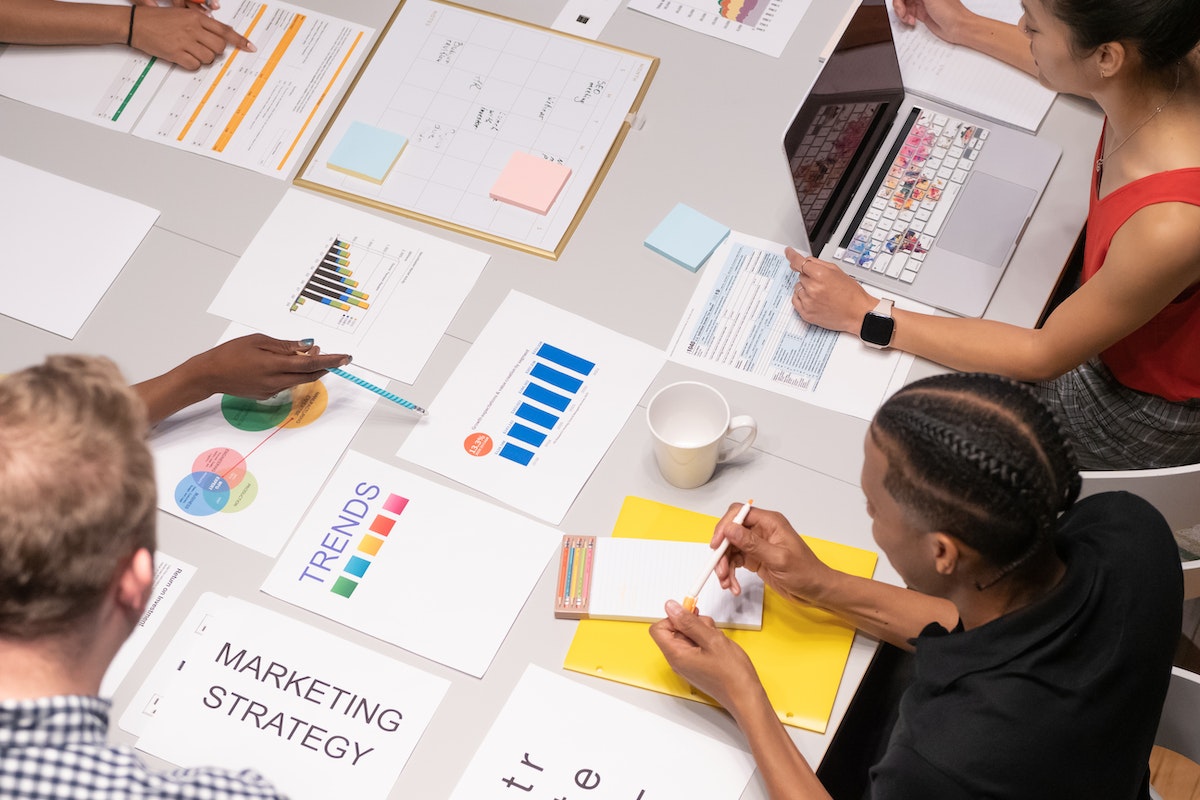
{"type": "Point", "coordinates": [551, 391]}
{"type": "Point", "coordinates": [347, 279]}
{"type": "Point", "coordinates": [220, 480]}
{"type": "Point", "coordinates": [555, 379]}
{"type": "Point", "coordinates": [747, 12]}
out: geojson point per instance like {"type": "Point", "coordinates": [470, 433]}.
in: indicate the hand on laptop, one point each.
{"type": "Point", "coordinates": [826, 296]}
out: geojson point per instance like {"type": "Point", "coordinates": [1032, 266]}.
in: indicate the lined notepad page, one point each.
{"type": "Point", "coordinates": [632, 578]}
{"type": "Point", "coordinates": [968, 79]}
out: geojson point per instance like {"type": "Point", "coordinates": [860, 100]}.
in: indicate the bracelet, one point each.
{"type": "Point", "coordinates": [129, 38]}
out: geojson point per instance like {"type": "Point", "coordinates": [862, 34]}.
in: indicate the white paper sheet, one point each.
{"type": "Point", "coordinates": [469, 90]}
{"type": "Point", "coordinates": [109, 85]}
{"type": "Point", "coordinates": [74, 239]}
{"type": "Point", "coordinates": [966, 78]}
{"type": "Point", "coordinates": [406, 285]}
{"type": "Point", "coordinates": [259, 110]}
{"type": "Point", "coordinates": [556, 738]}
{"type": "Point", "coordinates": [533, 406]}
{"type": "Point", "coordinates": [740, 323]}
{"type": "Point", "coordinates": [381, 551]}
{"type": "Point", "coordinates": [762, 25]}
{"type": "Point", "coordinates": [632, 578]}
{"type": "Point", "coordinates": [232, 465]}
{"type": "Point", "coordinates": [170, 577]}
{"type": "Point", "coordinates": [243, 687]}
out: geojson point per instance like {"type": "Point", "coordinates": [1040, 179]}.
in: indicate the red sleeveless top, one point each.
{"type": "Point", "coordinates": [1163, 356]}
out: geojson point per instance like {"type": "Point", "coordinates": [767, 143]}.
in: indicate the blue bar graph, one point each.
{"type": "Point", "coordinates": [539, 393]}
{"type": "Point", "coordinates": [524, 433]}
{"type": "Point", "coordinates": [550, 375]}
{"type": "Point", "coordinates": [549, 352]}
{"type": "Point", "coordinates": [555, 382]}
{"type": "Point", "coordinates": [517, 454]}
{"type": "Point", "coordinates": [537, 416]}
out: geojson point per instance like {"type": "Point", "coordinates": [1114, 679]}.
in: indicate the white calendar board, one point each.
{"type": "Point", "coordinates": [468, 89]}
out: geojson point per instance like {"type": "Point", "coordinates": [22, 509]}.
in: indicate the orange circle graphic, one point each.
{"type": "Point", "coordinates": [478, 444]}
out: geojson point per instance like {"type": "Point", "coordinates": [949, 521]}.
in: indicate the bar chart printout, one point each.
{"type": "Point", "coordinates": [556, 378]}
{"type": "Point", "coordinates": [533, 406]}
{"type": "Point", "coordinates": [338, 291]}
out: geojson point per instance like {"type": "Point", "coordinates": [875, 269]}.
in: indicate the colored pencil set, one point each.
{"type": "Point", "coordinates": [574, 577]}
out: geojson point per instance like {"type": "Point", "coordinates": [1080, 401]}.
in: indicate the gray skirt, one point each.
{"type": "Point", "coordinates": [1114, 427]}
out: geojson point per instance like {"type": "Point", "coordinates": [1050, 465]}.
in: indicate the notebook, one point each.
{"type": "Point", "coordinates": [903, 193]}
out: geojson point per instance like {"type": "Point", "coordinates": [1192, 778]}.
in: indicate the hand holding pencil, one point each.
{"type": "Point", "coordinates": [689, 602]}
{"type": "Point", "coordinates": [770, 547]}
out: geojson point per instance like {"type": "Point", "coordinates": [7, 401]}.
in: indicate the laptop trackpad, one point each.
{"type": "Point", "coordinates": [987, 219]}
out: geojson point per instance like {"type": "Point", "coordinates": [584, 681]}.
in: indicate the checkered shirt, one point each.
{"type": "Point", "coordinates": [55, 748]}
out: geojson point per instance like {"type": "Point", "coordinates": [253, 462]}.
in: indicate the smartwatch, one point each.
{"type": "Point", "coordinates": [878, 326]}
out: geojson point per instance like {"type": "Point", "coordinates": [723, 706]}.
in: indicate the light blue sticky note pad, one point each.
{"type": "Point", "coordinates": [687, 237]}
{"type": "Point", "coordinates": [367, 152]}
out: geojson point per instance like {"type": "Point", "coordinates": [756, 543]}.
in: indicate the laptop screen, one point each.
{"type": "Point", "coordinates": [844, 119]}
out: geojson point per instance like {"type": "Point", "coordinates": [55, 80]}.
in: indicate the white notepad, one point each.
{"type": "Point", "coordinates": [631, 579]}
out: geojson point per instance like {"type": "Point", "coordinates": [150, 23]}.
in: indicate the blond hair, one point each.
{"type": "Point", "coordinates": [77, 491]}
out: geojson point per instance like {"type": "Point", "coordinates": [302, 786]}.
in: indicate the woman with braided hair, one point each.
{"type": "Point", "coordinates": [1043, 628]}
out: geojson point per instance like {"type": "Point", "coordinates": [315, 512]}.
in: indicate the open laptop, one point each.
{"type": "Point", "coordinates": [917, 198]}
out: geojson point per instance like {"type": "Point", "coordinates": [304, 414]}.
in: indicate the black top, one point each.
{"type": "Point", "coordinates": [1060, 699]}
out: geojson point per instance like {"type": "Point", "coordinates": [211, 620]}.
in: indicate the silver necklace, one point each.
{"type": "Point", "coordinates": [1157, 110]}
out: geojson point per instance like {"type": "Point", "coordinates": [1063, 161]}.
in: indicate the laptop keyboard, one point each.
{"type": "Point", "coordinates": [910, 200]}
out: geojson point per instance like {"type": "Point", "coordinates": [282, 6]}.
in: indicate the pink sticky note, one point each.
{"type": "Point", "coordinates": [530, 182]}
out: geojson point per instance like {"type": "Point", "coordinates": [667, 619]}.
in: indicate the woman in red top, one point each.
{"type": "Point", "coordinates": [1118, 360]}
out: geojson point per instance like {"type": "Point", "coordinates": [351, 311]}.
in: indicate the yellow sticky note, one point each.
{"type": "Point", "coordinates": [800, 653]}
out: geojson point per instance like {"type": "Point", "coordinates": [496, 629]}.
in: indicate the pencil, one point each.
{"type": "Point", "coordinates": [384, 393]}
{"type": "Point", "coordinates": [689, 602]}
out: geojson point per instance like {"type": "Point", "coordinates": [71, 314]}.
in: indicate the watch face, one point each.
{"type": "Point", "coordinates": [877, 329]}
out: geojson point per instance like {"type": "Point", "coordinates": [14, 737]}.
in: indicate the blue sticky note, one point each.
{"type": "Point", "coordinates": [687, 237]}
{"type": "Point", "coordinates": [367, 152]}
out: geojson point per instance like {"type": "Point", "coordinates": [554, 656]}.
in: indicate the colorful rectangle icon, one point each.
{"type": "Point", "coordinates": [370, 545]}
{"type": "Point", "coordinates": [395, 504]}
{"type": "Point", "coordinates": [382, 525]}
{"type": "Point", "coordinates": [357, 566]}
{"type": "Point", "coordinates": [344, 586]}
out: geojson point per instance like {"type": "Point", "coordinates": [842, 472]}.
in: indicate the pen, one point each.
{"type": "Point", "coordinates": [689, 602]}
{"type": "Point", "coordinates": [395, 398]}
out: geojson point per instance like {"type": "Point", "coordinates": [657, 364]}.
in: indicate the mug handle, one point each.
{"type": "Point", "coordinates": [743, 445]}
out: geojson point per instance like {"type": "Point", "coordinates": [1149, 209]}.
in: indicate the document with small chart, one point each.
{"type": "Point", "coordinates": [231, 464]}
{"type": "Point", "coordinates": [480, 123]}
{"type": "Point", "coordinates": [259, 110]}
{"type": "Point", "coordinates": [352, 560]}
{"type": "Point", "coordinates": [533, 406]}
{"type": "Point", "coordinates": [556, 737]}
{"type": "Point", "coordinates": [108, 85]}
{"type": "Point", "coordinates": [355, 282]}
{"type": "Point", "coordinates": [242, 687]}
{"type": "Point", "coordinates": [762, 25]}
{"type": "Point", "coordinates": [966, 78]}
{"type": "Point", "coordinates": [740, 323]}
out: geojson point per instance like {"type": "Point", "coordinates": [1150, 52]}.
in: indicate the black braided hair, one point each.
{"type": "Point", "coordinates": [979, 457]}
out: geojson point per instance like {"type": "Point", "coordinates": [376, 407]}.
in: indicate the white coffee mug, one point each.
{"type": "Point", "coordinates": [690, 422]}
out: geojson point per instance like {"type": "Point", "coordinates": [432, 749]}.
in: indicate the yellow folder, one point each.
{"type": "Point", "coordinates": [800, 653]}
